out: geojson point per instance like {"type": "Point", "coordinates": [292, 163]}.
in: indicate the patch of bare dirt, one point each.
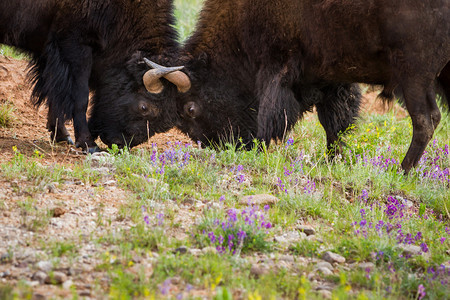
{"type": "Point", "coordinates": [29, 131]}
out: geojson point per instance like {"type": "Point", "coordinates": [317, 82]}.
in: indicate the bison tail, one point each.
{"type": "Point", "coordinates": [444, 86]}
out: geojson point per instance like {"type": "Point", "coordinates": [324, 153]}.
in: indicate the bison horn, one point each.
{"type": "Point", "coordinates": [152, 77]}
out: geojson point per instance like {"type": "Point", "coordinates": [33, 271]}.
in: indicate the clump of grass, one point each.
{"type": "Point", "coordinates": [12, 52]}
{"type": "Point", "coordinates": [7, 118]}
{"type": "Point", "coordinates": [33, 218]}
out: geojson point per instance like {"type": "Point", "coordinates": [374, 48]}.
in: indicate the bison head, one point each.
{"type": "Point", "coordinates": [218, 108]}
{"type": "Point", "coordinates": [134, 102]}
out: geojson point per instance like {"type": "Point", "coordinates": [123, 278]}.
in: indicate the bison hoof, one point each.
{"type": "Point", "coordinates": [92, 150]}
{"type": "Point", "coordinates": [69, 141]}
{"type": "Point", "coordinates": [62, 139]}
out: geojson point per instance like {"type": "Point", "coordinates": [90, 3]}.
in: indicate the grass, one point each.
{"type": "Point", "coordinates": [12, 52]}
{"type": "Point", "coordinates": [6, 114]}
{"type": "Point", "coordinates": [361, 206]}
{"type": "Point", "coordinates": [346, 201]}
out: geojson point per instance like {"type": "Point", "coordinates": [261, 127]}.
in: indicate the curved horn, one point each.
{"type": "Point", "coordinates": [172, 74]}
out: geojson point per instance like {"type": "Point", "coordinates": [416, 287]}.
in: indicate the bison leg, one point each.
{"type": "Point", "coordinates": [57, 128]}
{"type": "Point", "coordinates": [337, 111]}
{"type": "Point", "coordinates": [79, 60]}
{"type": "Point", "coordinates": [425, 115]}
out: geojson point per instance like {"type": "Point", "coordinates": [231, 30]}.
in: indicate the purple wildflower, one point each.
{"type": "Point", "coordinates": [424, 247]}
{"type": "Point", "coordinates": [420, 292]}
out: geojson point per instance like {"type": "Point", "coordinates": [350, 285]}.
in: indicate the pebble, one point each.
{"type": "Point", "coordinates": [289, 238]}
{"type": "Point", "coordinates": [308, 230]}
{"type": "Point", "coordinates": [287, 258]}
{"type": "Point", "coordinates": [39, 276]}
{"type": "Point", "coordinates": [259, 270]}
{"type": "Point", "coordinates": [181, 250]}
{"type": "Point", "coordinates": [56, 278]}
{"type": "Point", "coordinates": [5, 257]}
{"type": "Point", "coordinates": [84, 293]}
{"type": "Point", "coordinates": [260, 199]}
{"type": "Point", "coordinates": [195, 252]}
{"type": "Point", "coordinates": [37, 296]}
{"type": "Point", "coordinates": [325, 271]}
{"type": "Point", "coordinates": [45, 266]}
{"type": "Point", "coordinates": [58, 212]}
{"type": "Point", "coordinates": [325, 294]}
{"type": "Point", "coordinates": [410, 249]}
{"type": "Point", "coordinates": [333, 257]}
{"type": "Point", "coordinates": [323, 264]}
{"type": "Point", "coordinates": [209, 250]}
{"type": "Point", "coordinates": [366, 265]}
{"type": "Point", "coordinates": [5, 274]}
{"type": "Point", "coordinates": [51, 187]}
{"type": "Point", "coordinates": [67, 284]}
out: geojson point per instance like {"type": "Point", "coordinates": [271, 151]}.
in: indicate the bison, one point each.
{"type": "Point", "coordinates": [78, 46]}
{"type": "Point", "coordinates": [257, 66]}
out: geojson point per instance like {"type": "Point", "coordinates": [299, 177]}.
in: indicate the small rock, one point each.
{"type": "Point", "coordinates": [195, 252]}
{"type": "Point", "coordinates": [37, 296]}
{"type": "Point", "coordinates": [58, 212]}
{"type": "Point", "coordinates": [410, 249]}
{"type": "Point", "coordinates": [5, 274]}
{"type": "Point", "coordinates": [209, 250]}
{"type": "Point", "coordinates": [39, 276]}
{"type": "Point", "coordinates": [287, 258]}
{"type": "Point", "coordinates": [14, 184]}
{"type": "Point", "coordinates": [56, 278]}
{"type": "Point", "coordinates": [324, 287]}
{"type": "Point", "coordinates": [51, 187]}
{"type": "Point", "coordinates": [366, 265]}
{"type": "Point", "coordinates": [181, 250]}
{"type": "Point", "coordinates": [448, 252]}
{"type": "Point", "coordinates": [259, 269]}
{"type": "Point", "coordinates": [308, 230]}
{"type": "Point", "coordinates": [6, 257]}
{"type": "Point", "coordinates": [333, 257]}
{"type": "Point", "coordinates": [67, 284]}
{"type": "Point", "coordinates": [261, 199]}
{"type": "Point", "coordinates": [323, 264]}
{"type": "Point", "coordinates": [325, 271]}
{"type": "Point", "coordinates": [289, 238]}
{"type": "Point", "coordinates": [45, 266]}
{"type": "Point", "coordinates": [84, 293]}
{"type": "Point", "coordinates": [325, 294]}
{"type": "Point", "coordinates": [109, 182]}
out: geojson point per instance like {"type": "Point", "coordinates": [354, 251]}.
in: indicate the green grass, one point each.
{"type": "Point", "coordinates": [12, 52]}
{"type": "Point", "coordinates": [186, 13]}
{"type": "Point", "coordinates": [6, 114]}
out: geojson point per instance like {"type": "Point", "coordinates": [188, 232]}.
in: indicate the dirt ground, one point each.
{"type": "Point", "coordinates": [79, 203]}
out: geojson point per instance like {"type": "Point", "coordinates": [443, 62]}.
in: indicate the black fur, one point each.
{"type": "Point", "coordinates": [267, 62]}
{"type": "Point", "coordinates": [78, 46]}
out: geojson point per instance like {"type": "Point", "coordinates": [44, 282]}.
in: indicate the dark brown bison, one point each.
{"type": "Point", "coordinates": [79, 46]}
{"type": "Point", "coordinates": [257, 66]}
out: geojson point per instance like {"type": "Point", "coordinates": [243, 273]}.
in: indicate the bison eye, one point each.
{"type": "Point", "coordinates": [192, 110]}
{"type": "Point", "coordinates": [144, 108]}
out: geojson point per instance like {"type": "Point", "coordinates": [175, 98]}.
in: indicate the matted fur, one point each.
{"type": "Point", "coordinates": [96, 45]}
{"type": "Point", "coordinates": [256, 66]}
